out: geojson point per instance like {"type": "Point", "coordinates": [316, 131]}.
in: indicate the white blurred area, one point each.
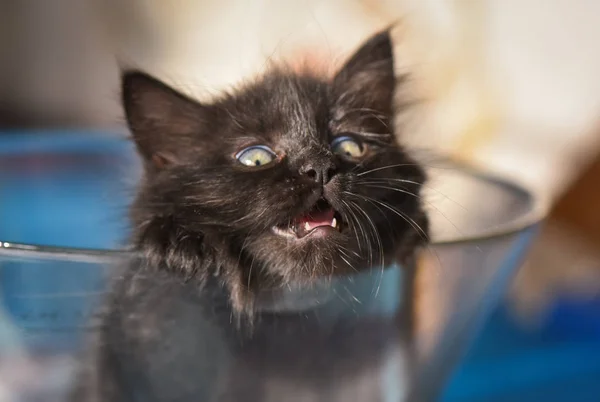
{"type": "Point", "coordinates": [509, 85]}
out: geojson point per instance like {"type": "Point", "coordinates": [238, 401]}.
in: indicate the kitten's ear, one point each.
{"type": "Point", "coordinates": [367, 79]}
{"type": "Point", "coordinates": [163, 122]}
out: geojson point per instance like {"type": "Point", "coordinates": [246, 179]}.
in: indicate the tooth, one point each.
{"type": "Point", "coordinates": [334, 222]}
{"type": "Point", "coordinates": [306, 226]}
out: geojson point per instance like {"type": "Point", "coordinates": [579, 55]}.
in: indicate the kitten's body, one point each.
{"type": "Point", "coordinates": [189, 321]}
{"type": "Point", "coordinates": [170, 342]}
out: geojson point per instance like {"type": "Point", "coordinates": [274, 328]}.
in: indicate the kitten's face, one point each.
{"type": "Point", "coordinates": [293, 176]}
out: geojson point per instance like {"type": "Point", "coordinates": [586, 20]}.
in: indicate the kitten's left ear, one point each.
{"type": "Point", "coordinates": [164, 123]}
{"type": "Point", "coordinates": [367, 79]}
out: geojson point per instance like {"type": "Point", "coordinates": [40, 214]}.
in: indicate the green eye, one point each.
{"type": "Point", "coordinates": [258, 155]}
{"type": "Point", "coordinates": [348, 148]}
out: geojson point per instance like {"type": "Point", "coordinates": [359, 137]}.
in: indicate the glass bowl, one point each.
{"type": "Point", "coordinates": [63, 206]}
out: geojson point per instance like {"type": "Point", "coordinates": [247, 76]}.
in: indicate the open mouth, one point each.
{"type": "Point", "coordinates": [321, 218]}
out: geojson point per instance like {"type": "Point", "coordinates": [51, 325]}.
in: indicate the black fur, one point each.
{"type": "Point", "coordinates": [201, 216]}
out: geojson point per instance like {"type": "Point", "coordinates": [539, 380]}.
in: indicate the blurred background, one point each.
{"type": "Point", "coordinates": [510, 86]}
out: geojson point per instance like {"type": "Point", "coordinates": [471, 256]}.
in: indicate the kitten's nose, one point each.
{"type": "Point", "coordinates": [319, 172]}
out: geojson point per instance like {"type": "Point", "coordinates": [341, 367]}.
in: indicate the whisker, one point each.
{"type": "Point", "coordinates": [351, 295]}
{"type": "Point", "coordinates": [364, 233]}
{"type": "Point", "coordinates": [344, 300]}
{"type": "Point", "coordinates": [354, 220]}
{"type": "Point", "coordinates": [393, 189]}
{"type": "Point", "coordinates": [381, 257]}
{"type": "Point", "coordinates": [407, 219]}
{"type": "Point", "coordinates": [347, 262]}
{"type": "Point", "coordinates": [424, 185]}
{"type": "Point", "coordinates": [367, 134]}
{"type": "Point", "coordinates": [362, 109]}
{"type": "Point", "coordinates": [350, 251]}
{"type": "Point", "coordinates": [403, 164]}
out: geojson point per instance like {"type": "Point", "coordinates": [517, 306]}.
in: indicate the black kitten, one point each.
{"type": "Point", "coordinates": [290, 179]}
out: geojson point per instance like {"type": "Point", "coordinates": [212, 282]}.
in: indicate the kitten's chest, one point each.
{"type": "Point", "coordinates": [182, 347]}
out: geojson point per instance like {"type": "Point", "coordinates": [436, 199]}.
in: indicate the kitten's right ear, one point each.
{"type": "Point", "coordinates": [163, 122]}
{"type": "Point", "coordinates": [367, 80]}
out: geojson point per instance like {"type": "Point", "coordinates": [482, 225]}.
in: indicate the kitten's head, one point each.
{"type": "Point", "coordinates": [290, 178]}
